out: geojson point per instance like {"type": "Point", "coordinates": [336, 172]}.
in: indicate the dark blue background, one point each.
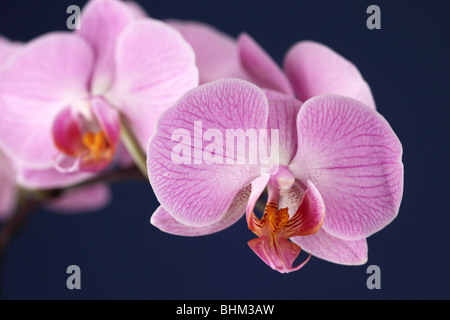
{"type": "Point", "coordinates": [122, 256]}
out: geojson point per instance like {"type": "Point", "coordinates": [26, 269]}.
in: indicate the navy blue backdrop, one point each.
{"type": "Point", "coordinates": [122, 256]}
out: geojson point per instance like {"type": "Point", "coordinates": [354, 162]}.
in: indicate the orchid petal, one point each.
{"type": "Point", "coordinates": [260, 66]}
{"type": "Point", "coordinates": [122, 157]}
{"type": "Point", "coordinates": [258, 186]}
{"type": "Point", "coordinates": [165, 222]}
{"type": "Point", "coordinates": [193, 191]}
{"type": "Point", "coordinates": [216, 53]}
{"type": "Point", "coordinates": [7, 49]}
{"type": "Point", "coordinates": [102, 23]}
{"type": "Point", "coordinates": [151, 75]}
{"type": "Point", "coordinates": [67, 133]}
{"type": "Point", "coordinates": [315, 69]}
{"type": "Point", "coordinates": [108, 119]}
{"type": "Point", "coordinates": [45, 76]}
{"type": "Point", "coordinates": [279, 256]}
{"type": "Point", "coordinates": [353, 157]}
{"type": "Point", "coordinates": [48, 178]}
{"type": "Point", "coordinates": [292, 198]}
{"type": "Point", "coordinates": [65, 163]}
{"type": "Point", "coordinates": [83, 199]}
{"type": "Point", "coordinates": [327, 247]}
{"type": "Point", "coordinates": [309, 216]}
{"type": "Point", "coordinates": [283, 111]}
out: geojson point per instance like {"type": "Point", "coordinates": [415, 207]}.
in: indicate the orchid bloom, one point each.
{"type": "Point", "coordinates": [65, 95]}
{"type": "Point", "coordinates": [337, 177]}
{"type": "Point", "coordinates": [309, 68]}
{"type": "Point", "coordinates": [93, 197]}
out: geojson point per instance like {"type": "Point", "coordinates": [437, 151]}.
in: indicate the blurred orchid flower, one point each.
{"type": "Point", "coordinates": [7, 49]}
{"type": "Point", "coordinates": [93, 197]}
{"type": "Point", "coordinates": [309, 68]}
{"type": "Point", "coordinates": [338, 177]}
{"type": "Point", "coordinates": [63, 96]}
{"type": "Point", "coordinates": [77, 200]}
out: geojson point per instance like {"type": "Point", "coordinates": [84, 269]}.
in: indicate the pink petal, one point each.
{"type": "Point", "coordinates": [46, 75]}
{"type": "Point", "coordinates": [102, 23]}
{"type": "Point", "coordinates": [260, 66]}
{"type": "Point", "coordinates": [7, 49]}
{"type": "Point", "coordinates": [67, 133]}
{"type": "Point", "coordinates": [123, 158]}
{"type": "Point", "coordinates": [315, 69]}
{"type": "Point", "coordinates": [292, 198]}
{"type": "Point", "coordinates": [193, 191]}
{"type": "Point", "coordinates": [353, 157]}
{"type": "Point", "coordinates": [85, 199]}
{"type": "Point", "coordinates": [283, 111]}
{"type": "Point", "coordinates": [216, 53]}
{"type": "Point", "coordinates": [279, 256]}
{"type": "Point", "coordinates": [309, 216]}
{"type": "Point", "coordinates": [327, 247]}
{"type": "Point", "coordinates": [165, 222]}
{"type": "Point", "coordinates": [66, 164]}
{"type": "Point", "coordinates": [108, 119]}
{"type": "Point", "coordinates": [48, 178]}
{"type": "Point", "coordinates": [258, 186]}
{"type": "Point", "coordinates": [151, 74]}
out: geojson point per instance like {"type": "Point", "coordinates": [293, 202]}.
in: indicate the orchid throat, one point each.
{"type": "Point", "coordinates": [277, 224]}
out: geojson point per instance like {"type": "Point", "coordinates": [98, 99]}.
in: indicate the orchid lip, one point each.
{"type": "Point", "coordinates": [276, 227]}
{"type": "Point", "coordinates": [85, 135]}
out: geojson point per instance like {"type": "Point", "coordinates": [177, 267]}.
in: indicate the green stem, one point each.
{"type": "Point", "coordinates": [133, 147]}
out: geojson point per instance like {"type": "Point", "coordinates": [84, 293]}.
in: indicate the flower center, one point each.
{"type": "Point", "coordinates": [276, 226]}
{"type": "Point", "coordinates": [283, 179]}
{"type": "Point", "coordinates": [274, 217]}
{"type": "Point", "coordinates": [86, 136]}
{"type": "Point", "coordinates": [97, 144]}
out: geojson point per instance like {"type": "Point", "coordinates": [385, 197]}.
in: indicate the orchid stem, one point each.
{"type": "Point", "coordinates": [133, 147]}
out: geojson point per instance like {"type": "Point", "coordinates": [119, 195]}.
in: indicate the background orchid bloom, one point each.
{"type": "Point", "coordinates": [63, 96]}
{"type": "Point", "coordinates": [309, 68]}
{"type": "Point", "coordinates": [93, 197]}
{"type": "Point", "coordinates": [7, 49]}
{"type": "Point", "coordinates": [338, 178]}
{"type": "Point", "coordinates": [77, 200]}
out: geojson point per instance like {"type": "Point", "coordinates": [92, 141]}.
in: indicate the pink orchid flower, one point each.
{"type": "Point", "coordinates": [93, 197]}
{"type": "Point", "coordinates": [64, 95]}
{"type": "Point", "coordinates": [336, 180]}
{"type": "Point", "coordinates": [309, 68]}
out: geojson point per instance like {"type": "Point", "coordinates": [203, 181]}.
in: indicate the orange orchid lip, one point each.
{"type": "Point", "coordinates": [276, 227]}
{"type": "Point", "coordinates": [98, 146]}
{"type": "Point", "coordinates": [86, 136]}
